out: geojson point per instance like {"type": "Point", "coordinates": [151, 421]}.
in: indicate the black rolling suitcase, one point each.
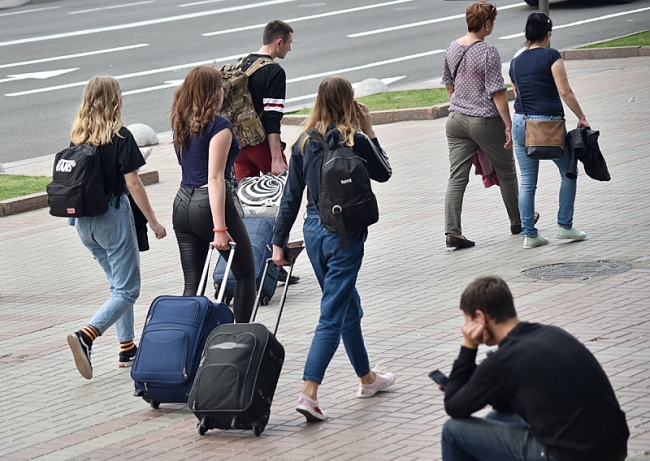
{"type": "Point", "coordinates": [239, 371]}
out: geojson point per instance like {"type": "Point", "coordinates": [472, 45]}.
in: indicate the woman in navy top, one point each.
{"type": "Point", "coordinates": [343, 121]}
{"type": "Point", "coordinates": [204, 210]}
{"type": "Point", "coordinates": [542, 84]}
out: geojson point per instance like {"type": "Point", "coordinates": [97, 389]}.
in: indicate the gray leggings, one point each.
{"type": "Point", "coordinates": [465, 134]}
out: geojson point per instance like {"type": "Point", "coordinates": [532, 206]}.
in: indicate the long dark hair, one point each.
{"type": "Point", "coordinates": [195, 103]}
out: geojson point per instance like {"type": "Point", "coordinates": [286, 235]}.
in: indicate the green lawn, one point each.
{"type": "Point", "coordinates": [12, 186]}
{"type": "Point", "coordinates": [640, 39]}
{"type": "Point", "coordinates": [399, 100]}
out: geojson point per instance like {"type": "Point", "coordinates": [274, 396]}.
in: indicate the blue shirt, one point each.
{"type": "Point", "coordinates": [194, 159]}
{"type": "Point", "coordinates": [535, 82]}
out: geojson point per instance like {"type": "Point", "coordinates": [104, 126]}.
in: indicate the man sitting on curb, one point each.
{"type": "Point", "coordinates": [551, 398]}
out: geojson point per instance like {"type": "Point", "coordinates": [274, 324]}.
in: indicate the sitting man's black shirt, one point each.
{"type": "Point", "coordinates": [552, 381]}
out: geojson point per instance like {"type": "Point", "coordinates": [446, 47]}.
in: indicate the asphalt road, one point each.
{"type": "Point", "coordinates": [49, 50]}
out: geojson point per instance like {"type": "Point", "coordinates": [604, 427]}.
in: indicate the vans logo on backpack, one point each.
{"type": "Point", "coordinates": [346, 181]}
{"type": "Point", "coordinates": [65, 166]}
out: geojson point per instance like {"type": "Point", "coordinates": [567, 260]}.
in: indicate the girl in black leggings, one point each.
{"type": "Point", "coordinates": [204, 210]}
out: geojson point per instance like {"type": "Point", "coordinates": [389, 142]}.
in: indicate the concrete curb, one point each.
{"type": "Point", "coordinates": [382, 117]}
{"type": "Point", "coordinates": [606, 53]}
{"type": "Point", "coordinates": [39, 200]}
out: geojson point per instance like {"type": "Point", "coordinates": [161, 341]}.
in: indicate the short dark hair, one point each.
{"type": "Point", "coordinates": [275, 30]}
{"type": "Point", "coordinates": [477, 14]}
{"type": "Point", "coordinates": [537, 26]}
{"type": "Point", "coordinates": [491, 295]}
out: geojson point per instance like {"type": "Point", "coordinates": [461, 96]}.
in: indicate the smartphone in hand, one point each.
{"type": "Point", "coordinates": [439, 377]}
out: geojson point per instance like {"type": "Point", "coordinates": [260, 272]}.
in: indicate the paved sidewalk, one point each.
{"type": "Point", "coordinates": [410, 285]}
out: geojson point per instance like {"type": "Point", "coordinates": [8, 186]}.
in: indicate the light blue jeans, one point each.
{"type": "Point", "coordinates": [340, 306]}
{"type": "Point", "coordinates": [111, 238]}
{"type": "Point", "coordinates": [498, 436]}
{"type": "Point", "coordinates": [529, 170]}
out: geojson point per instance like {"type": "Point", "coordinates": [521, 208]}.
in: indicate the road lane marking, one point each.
{"type": "Point", "coordinates": [110, 7]}
{"type": "Point", "coordinates": [149, 22]}
{"type": "Point", "coordinates": [225, 59]}
{"type": "Point", "coordinates": [70, 56]}
{"type": "Point", "coordinates": [199, 3]}
{"type": "Point", "coordinates": [30, 11]}
{"type": "Point", "coordinates": [424, 23]}
{"type": "Point", "coordinates": [584, 21]}
{"type": "Point", "coordinates": [131, 75]}
{"type": "Point", "coordinates": [305, 18]}
{"type": "Point", "coordinates": [365, 66]}
{"type": "Point", "coordinates": [38, 75]}
{"type": "Point", "coordinates": [167, 84]}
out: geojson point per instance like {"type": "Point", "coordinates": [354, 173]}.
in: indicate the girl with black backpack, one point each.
{"type": "Point", "coordinates": [341, 121]}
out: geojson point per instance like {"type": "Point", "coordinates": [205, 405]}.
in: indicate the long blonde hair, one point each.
{"type": "Point", "coordinates": [334, 105]}
{"type": "Point", "coordinates": [195, 104]}
{"type": "Point", "coordinates": [100, 114]}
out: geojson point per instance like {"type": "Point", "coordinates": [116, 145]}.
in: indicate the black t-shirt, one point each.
{"type": "Point", "coordinates": [552, 381]}
{"type": "Point", "coordinates": [123, 154]}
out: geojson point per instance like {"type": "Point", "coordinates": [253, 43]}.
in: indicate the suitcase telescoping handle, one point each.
{"type": "Point", "coordinates": [206, 270]}
{"type": "Point", "coordinates": [294, 254]}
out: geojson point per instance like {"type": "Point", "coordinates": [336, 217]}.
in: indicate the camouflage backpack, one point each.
{"type": "Point", "coordinates": [238, 104]}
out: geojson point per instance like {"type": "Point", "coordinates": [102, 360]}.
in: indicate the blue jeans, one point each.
{"type": "Point", "coordinates": [111, 238]}
{"type": "Point", "coordinates": [529, 169]}
{"type": "Point", "coordinates": [498, 436]}
{"type": "Point", "coordinates": [340, 306]}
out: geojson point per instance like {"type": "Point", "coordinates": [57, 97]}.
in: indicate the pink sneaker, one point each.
{"type": "Point", "coordinates": [381, 383]}
{"type": "Point", "coordinates": [309, 408]}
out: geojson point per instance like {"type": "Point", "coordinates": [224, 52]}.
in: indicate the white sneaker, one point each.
{"type": "Point", "coordinates": [381, 382]}
{"type": "Point", "coordinates": [532, 242]}
{"type": "Point", "coordinates": [572, 234]}
{"type": "Point", "coordinates": [310, 409]}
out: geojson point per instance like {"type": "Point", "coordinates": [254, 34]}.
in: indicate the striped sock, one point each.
{"type": "Point", "coordinates": [91, 332]}
{"type": "Point", "coordinates": [127, 346]}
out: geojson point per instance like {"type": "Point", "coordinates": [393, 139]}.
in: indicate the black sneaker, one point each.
{"type": "Point", "coordinates": [127, 358]}
{"type": "Point", "coordinates": [81, 347]}
{"type": "Point", "coordinates": [282, 277]}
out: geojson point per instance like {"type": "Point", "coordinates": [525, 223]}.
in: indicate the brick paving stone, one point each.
{"type": "Point", "coordinates": [410, 285]}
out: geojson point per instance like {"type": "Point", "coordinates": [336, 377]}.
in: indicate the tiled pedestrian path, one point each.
{"type": "Point", "coordinates": [410, 286]}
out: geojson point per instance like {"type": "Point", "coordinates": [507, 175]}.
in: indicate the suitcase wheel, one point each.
{"type": "Point", "coordinates": [265, 300]}
{"type": "Point", "coordinates": [201, 429]}
{"type": "Point", "coordinates": [154, 404]}
{"type": "Point", "coordinates": [256, 430]}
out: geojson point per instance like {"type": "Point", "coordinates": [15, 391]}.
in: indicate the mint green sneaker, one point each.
{"type": "Point", "coordinates": [573, 234]}
{"type": "Point", "coordinates": [532, 242]}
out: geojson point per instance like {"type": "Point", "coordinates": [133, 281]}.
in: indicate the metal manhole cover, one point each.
{"type": "Point", "coordinates": [584, 270]}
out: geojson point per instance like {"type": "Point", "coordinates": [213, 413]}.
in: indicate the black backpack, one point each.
{"type": "Point", "coordinates": [345, 199]}
{"type": "Point", "coordinates": [77, 187]}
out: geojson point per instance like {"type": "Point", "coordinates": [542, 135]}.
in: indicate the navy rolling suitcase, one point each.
{"type": "Point", "coordinates": [172, 340]}
{"type": "Point", "coordinates": [260, 233]}
{"type": "Point", "coordinates": [239, 371]}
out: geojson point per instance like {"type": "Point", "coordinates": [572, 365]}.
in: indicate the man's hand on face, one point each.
{"type": "Point", "coordinates": [474, 333]}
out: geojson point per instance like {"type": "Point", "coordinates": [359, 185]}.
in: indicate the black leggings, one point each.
{"type": "Point", "coordinates": [192, 220]}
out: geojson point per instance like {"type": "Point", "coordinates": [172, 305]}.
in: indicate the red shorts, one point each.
{"type": "Point", "coordinates": [254, 160]}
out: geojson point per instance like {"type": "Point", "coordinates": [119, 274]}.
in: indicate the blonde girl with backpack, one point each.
{"type": "Point", "coordinates": [111, 236]}
{"type": "Point", "coordinates": [340, 120]}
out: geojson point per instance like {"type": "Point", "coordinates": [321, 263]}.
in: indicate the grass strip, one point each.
{"type": "Point", "coordinates": [12, 186]}
{"type": "Point", "coordinates": [399, 100]}
{"type": "Point", "coordinates": [640, 39]}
